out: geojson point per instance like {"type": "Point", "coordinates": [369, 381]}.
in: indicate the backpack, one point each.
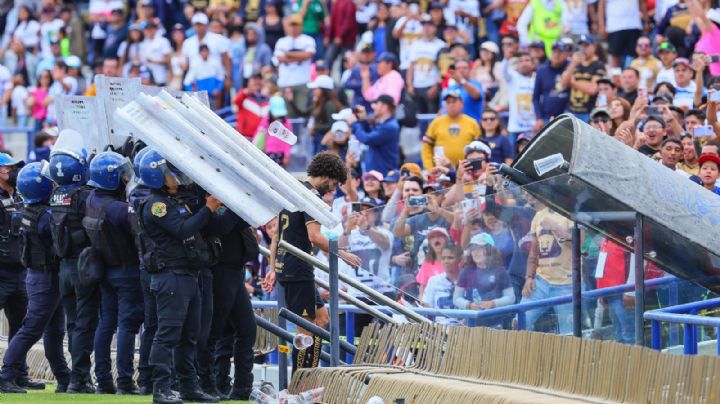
{"type": "Point", "coordinates": [406, 112]}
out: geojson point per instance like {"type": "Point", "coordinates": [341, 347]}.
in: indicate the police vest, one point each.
{"type": "Point", "coordinates": [68, 234]}
{"type": "Point", "coordinates": [10, 230]}
{"type": "Point", "coordinates": [33, 252]}
{"type": "Point", "coordinates": [165, 252]}
{"type": "Point", "coordinates": [116, 248]}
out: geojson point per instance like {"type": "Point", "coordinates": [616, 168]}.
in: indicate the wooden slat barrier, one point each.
{"type": "Point", "coordinates": [430, 363]}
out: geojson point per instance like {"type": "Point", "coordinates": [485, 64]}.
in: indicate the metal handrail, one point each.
{"type": "Point", "coordinates": [678, 315]}
{"type": "Point", "coordinates": [345, 296]}
{"type": "Point", "coordinates": [375, 295]}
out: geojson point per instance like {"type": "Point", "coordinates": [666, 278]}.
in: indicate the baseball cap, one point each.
{"type": "Point", "coordinates": [388, 57]}
{"type": "Point", "coordinates": [482, 240]}
{"type": "Point", "coordinates": [562, 46]}
{"type": "Point", "coordinates": [526, 136]}
{"type": "Point", "coordinates": [368, 201]}
{"type": "Point", "coordinates": [426, 19]}
{"type": "Point", "coordinates": [666, 46]}
{"type": "Point", "coordinates": [709, 157]}
{"type": "Point", "coordinates": [178, 27]}
{"type": "Point", "coordinates": [663, 97]}
{"type": "Point", "coordinates": [295, 19]}
{"type": "Point", "coordinates": [149, 24]}
{"type": "Point", "coordinates": [321, 65]}
{"type": "Point", "coordinates": [200, 18]}
{"type": "Point", "coordinates": [599, 111]}
{"type": "Point", "coordinates": [343, 115]}
{"type": "Point", "coordinates": [386, 99]}
{"type": "Point", "coordinates": [367, 47]}
{"type": "Point", "coordinates": [146, 3]}
{"type": "Point", "coordinates": [341, 126]}
{"type": "Point", "coordinates": [454, 93]}
{"type": "Point", "coordinates": [413, 168]}
{"type": "Point", "coordinates": [434, 231]}
{"type": "Point", "coordinates": [537, 45]}
{"type": "Point", "coordinates": [681, 61]}
{"type": "Point", "coordinates": [713, 15]}
{"type": "Point", "coordinates": [586, 39]}
{"type": "Point", "coordinates": [322, 81]}
{"type": "Point", "coordinates": [372, 174]}
{"type": "Point", "coordinates": [490, 46]}
{"type": "Point", "coordinates": [477, 145]}
{"type": "Point", "coordinates": [435, 5]}
{"type": "Point", "coordinates": [392, 176]}
{"type": "Point", "coordinates": [73, 62]}
{"type": "Point", "coordinates": [277, 106]}
{"type": "Point", "coordinates": [135, 27]}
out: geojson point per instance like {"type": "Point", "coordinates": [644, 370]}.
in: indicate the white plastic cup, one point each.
{"type": "Point", "coordinates": [278, 130]}
{"type": "Point", "coordinates": [302, 341]}
{"type": "Point", "coordinates": [258, 397]}
{"type": "Point", "coordinates": [311, 396]}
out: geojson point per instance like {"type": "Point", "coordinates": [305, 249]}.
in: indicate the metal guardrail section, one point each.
{"type": "Point", "coordinates": [687, 315]}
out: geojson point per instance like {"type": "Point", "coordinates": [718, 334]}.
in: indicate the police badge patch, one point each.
{"type": "Point", "coordinates": [158, 209]}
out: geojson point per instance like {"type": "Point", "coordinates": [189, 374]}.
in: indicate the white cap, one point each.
{"type": "Point", "coordinates": [490, 46]}
{"type": "Point", "coordinates": [341, 126]}
{"type": "Point", "coordinates": [200, 18]}
{"type": "Point", "coordinates": [343, 115]}
{"type": "Point", "coordinates": [73, 62]}
{"type": "Point", "coordinates": [477, 145]}
{"type": "Point", "coordinates": [713, 15]}
{"type": "Point", "coordinates": [322, 81]}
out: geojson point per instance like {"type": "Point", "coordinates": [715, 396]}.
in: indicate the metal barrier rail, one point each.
{"type": "Point", "coordinates": [685, 314]}
{"type": "Point", "coordinates": [512, 309]}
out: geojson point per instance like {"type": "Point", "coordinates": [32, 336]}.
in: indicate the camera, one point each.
{"type": "Point", "coordinates": [476, 164]}
{"type": "Point", "coordinates": [404, 173]}
{"type": "Point", "coordinates": [356, 207]}
{"type": "Point", "coordinates": [417, 201]}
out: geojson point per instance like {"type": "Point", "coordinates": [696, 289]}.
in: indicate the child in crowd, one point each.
{"type": "Point", "coordinates": [275, 148]}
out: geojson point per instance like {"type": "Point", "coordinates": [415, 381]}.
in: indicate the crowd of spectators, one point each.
{"type": "Point", "coordinates": [477, 78]}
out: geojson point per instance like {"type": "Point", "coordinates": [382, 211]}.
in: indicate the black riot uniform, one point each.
{"type": "Point", "coordinates": [174, 253]}
{"type": "Point", "coordinates": [81, 303]}
{"type": "Point", "coordinates": [45, 317]}
{"type": "Point", "coordinates": [13, 294]}
{"type": "Point", "coordinates": [232, 306]}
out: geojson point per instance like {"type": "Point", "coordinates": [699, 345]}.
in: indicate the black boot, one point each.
{"type": "Point", "coordinates": [166, 396]}
{"type": "Point", "coordinates": [106, 388]}
{"type": "Point", "coordinates": [145, 390]}
{"type": "Point", "coordinates": [61, 387]}
{"type": "Point", "coordinates": [129, 388]}
{"type": "Point", "coordinates": [198, 396]}
{"type": "Point", "coordinates": [239, 393]}
{"type": "Point", "coordinates": [81, 388]}
{"type": "Point", "coordinates": [10, 387]}
{"type": "Point", "coordinates": [27, 383]}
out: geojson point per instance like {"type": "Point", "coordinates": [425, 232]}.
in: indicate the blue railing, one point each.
{"type": "Point", "coordinates": [687, 315]}
{"type": "Point", "coordinates": [474, 316]}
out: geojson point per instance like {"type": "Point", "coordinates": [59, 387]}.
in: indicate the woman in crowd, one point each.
{"type": "Point", "coordinates": [325, 104]}
{"type": "Point", "coordinates": [272, 22]}
{"type": "Point", "coordinates": [437, 239]}
{"type": "Point", "coordinates": [487, 70]}
{"type": "Point", "coordinates": [493, 132]}
{"type": "Point", "coordinates": [372, 186]}
{"type": "Point", "coordinates": [439, 289]}
{"type": "Point", "coordinates": [36, 101]}
{"type": "Point", "coordinates": [484, 283]}
{"type": "Point", "coordinates": [178, 61]}
{"type": "Point", "coordinates": [129, 50]}
{"type": "Point", "coordinates": [619, 113]}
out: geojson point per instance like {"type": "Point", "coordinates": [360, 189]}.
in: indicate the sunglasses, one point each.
{"type": "Point", "coordinates": [489, 119]}
{"type": "Point", "coordinates": [599, 120]}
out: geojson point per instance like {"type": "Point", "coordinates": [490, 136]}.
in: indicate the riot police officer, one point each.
{"type": "Point", "coordinates": [136, 195]}
{"type": "Point", "coordinates": [13, 294]}
{"type": "Point", "coordinates": [108, 227]}
{"type": "Point", "coordinates": [68, 169]}
{"type": "Point", "coordinates": [45, 317]}
{"type": "Point", "coordinates": [231, 305]}
{"type": "Point", "coordinates": [175, 251]}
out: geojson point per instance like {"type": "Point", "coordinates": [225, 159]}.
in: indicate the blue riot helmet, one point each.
{"type": "Point", "coordinates": [68, 159]}
{"type": "Point", "coordinates": [138, 158]}
{"type": "Point", "coordinates": [153, 169]}
{"type": "Point", "coordinates": [32, 185]}
{"type": "Point", "coordinates": [108, 170]}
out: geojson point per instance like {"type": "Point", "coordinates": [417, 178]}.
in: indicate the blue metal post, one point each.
{"type": "Point", "coordinates": [656, 335]}
{"type": "Point", "coordinates": [687, 338]}
{"type": "Point", "coordinates": [334, 304]}
{"type": "Point", "coordinates": [521, 320]}
{"type": "Point", "coordinates": [674, 332]}
{"type": "Point", "coordinates": [576, 282]}
{"type": "Point", "coordinates": [349, 334]}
